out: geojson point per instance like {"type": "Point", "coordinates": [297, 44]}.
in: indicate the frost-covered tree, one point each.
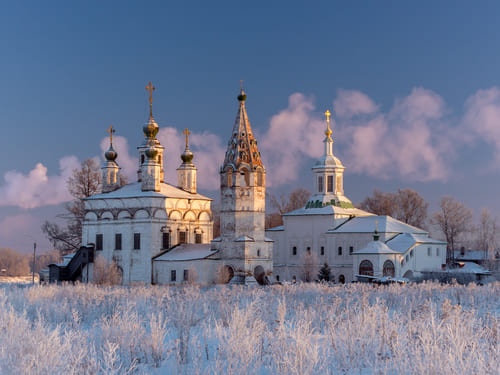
{"type": "Point", "coordinates": [285, 203]}
{"type": "Point", "coordinates": [325, 273]}
{"type": "Point", "coordinates": [454, 220]}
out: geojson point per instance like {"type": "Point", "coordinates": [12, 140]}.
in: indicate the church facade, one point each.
{"type": "Point", "coordinates": [160, 233]}
{"type": "Point", "coordinates": [329, 229]}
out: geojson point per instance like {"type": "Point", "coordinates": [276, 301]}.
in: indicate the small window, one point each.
{"type": "Point", "coordinates": [277, 277]}
{"type": "Point", "coordinates": [340, 250]}
{"type": "Point", "coordinates": [98, 241]}
{"type": "Point", "coordinates": [322, 250]}
{"type": "Point", "coordinates": [411, 253]}
{"type": "Point", "coordinates": [351, 249]}
{"type": "Point", "coordinates": [320, 184]}
{"type": "Point", "coordinates": [173, 275]}
{"type": "Point", "coordinates": [118, 241]}
{"type": "Point", "coordinates": [137, 241]}
{"type": "Point", "coordinates": [142, 159]}
{"type": "Point", "coordinates": [429, 251]}
{"type": "Point", "coordinates": [437, 251]}
{"type": "Point", "coordinates": [407, 258]}
{"type": "Point", "coordinates": [294, 250]}
{"type": "Point", "coordinates": [402, 262]}
{"type": "Point", "coordinates": [308, 250]}
{"type": "Point", "coordinates": [182, 237]}
{"type": "Point", "coordinates": [186, 275]}
{"type": "Point", "coordinates": [165, 240]}
{"type": "Point", "coordinates": [329, 184]}
{"type": "Point", "coordinates": [197, 238]}
{"type": "Point", "coordinates": [258, 252]}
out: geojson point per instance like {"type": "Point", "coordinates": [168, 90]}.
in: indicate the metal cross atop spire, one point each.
{"type": "Point", "coordinates": [111, 131]}
{"type": "Point", "coordinates": [241, 84]}
{"type": "Point", "coordinates": [186, 132]}
{"type": "Point", "coordinates": [328, 131]}
{"type": "Point", "coordinates": [150, 88]}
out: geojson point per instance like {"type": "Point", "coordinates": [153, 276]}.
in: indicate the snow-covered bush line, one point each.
{"type": "Point", "coordinates": [425, 328]}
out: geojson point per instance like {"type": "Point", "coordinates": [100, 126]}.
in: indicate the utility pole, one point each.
{"type": "Point", "coordinates": [34, 261]}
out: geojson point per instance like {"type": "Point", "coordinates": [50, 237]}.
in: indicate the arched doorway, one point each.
{"type": "Point", "coordinates": [341, 279]}
{"type": "Point", "coordinates": [260, 275]}
{"type": "Point", "coordinates": [388, 269]}
{"type": "Point", "coordinates": [225, 274]}
{"type": "Point", "coordinates": [366, 268]}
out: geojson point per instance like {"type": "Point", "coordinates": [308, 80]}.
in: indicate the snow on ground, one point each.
{"type": "Point", "coordinates": [425, 328]}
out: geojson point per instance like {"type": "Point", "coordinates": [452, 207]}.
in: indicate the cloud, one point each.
{"type": "Point", "coordinates": [411, 141]}
{"type": "Point", "coordinates": [294, 136]}
{"type": "Point", "coordinates": [351, 103]}
{"type": "Point", "coordinates": [36, 188]}
{"type": "Point", "coordinates": [481, 119]}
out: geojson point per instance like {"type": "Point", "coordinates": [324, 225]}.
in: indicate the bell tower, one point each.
{"type": "Point", "coordinates": [242, 244]}
{"type": "Point", "coordinates": [150, 171]}
{"type": "Point", "coordinates": [111, 170]}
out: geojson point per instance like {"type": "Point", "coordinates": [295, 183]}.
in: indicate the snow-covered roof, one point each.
{"type": "Point", "coordinates": [328, 210]}
{"type": "Point", "coordinates": [278, 228]}
{"type": "Point", "coordinates": [366, 224]}
{"type": "Point", "coordinates": [244, 239]}
{"type": "Point", "coordinates": [376, 247]}
{"type": "Point", "coordinates": [134, 190]}
{"type": "Point", "coordinates": [469, 267]}
{"type": "Point", "coordinates": [404, 241]}
{"type": "Point", "coordinates": [186, 252]}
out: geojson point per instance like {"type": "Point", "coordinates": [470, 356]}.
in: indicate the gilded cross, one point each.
{"type": "Point", "coordinates": [241, 84]}
{"type": "Point", "coordinates": [150, 88]}
{"type": "Point", "coordinates": [111, 131]}
{"type": "Point", "coordinates": [186, 132]}
{"type": "Point", "coordinates": [328, 132]}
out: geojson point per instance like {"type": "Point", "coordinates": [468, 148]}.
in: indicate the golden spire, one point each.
{"type": "Point", "coordinates": [111, 131]}
{"type": "Point", "coordinates": [328, 131]}
{"type": "Point", "coordinates": [150, 88]}
{"type": "Point", "coordinates": [186, 132]}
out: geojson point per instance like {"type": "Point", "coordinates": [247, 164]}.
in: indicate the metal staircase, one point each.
{"type": "Point", "coordinates": [72, 271]}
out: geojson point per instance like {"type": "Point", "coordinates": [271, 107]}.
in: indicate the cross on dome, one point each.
{"type": "Point", "coordinates": [186, 132]}
{"type": "Point", "coordinates": [111, 131]}
{"type": "Point", "coordinates": [150, 88]}
{"type": "Point", "coordinates": [328, 131]}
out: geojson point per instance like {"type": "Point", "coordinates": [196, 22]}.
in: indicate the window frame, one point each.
{"type": "Point", "coordinates": [99, 241]}
{"type": "Point", "coordinates": [137, 241]}
{"type": "Point", "coordinates": [118, 241]}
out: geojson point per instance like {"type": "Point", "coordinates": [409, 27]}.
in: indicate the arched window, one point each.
{"type": "Point", "coordinates": [366, 268]}
{"type": "Point", "coordinates": [258, 252]}
{"type": "Point", "coordinates": [388, 269]}
{"type": "Point", "coordinates": [294, 250]}
{"type": "Point", "coordinates": [340, 250]}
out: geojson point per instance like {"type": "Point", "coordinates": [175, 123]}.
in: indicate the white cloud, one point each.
{"type": "Point", "coordinates": [351, 103]}
{"type": "Point", "coordinates": [294, 136]}
{"type": "Point", "coordinates": [36, 188]}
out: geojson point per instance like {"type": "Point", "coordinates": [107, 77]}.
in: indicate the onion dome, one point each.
{"type": "Point", "coordinates": [111, 154]}
{"type": "Point", "coordinates": [151, 128]}
{"type": "Point", "coordinates": [242, 97]}
{"type": "Point", "coordinates": [187, 156]}
{"type": "Point", "coordinates": [151, 152]}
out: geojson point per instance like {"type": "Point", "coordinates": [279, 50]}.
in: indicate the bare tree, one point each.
{"type": "Point", "coordinates": [309, 266]}
{"type": "Point", "coordinates": [84, 182]}
{"type": "Point", "coordinates": [105, 273]}
{"type": "Point", "coordinates": [285, 203]}
{"type": "Point", "coordinates": [406, 205]}
{"type": "Point", "coordinates": [411, 208]}
{"type": "Point", "coordinates": [454, 220]}
{"type": "Point", "coordinates": [380, 204]}
{"type": "Point", "coordinates": [14, 263]}
{"type": "Point", "coordinates": [487, 234]}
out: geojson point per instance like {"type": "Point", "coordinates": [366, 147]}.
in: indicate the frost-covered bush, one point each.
{"type": "Point", "coordinates": [427, 328]}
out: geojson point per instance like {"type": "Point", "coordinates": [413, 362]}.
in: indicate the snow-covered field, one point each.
{"type": "Point", "coordinates": [298, 329]}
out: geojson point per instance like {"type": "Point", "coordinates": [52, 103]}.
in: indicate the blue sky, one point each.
{"type": "Point", "coordinates": [395, 70]}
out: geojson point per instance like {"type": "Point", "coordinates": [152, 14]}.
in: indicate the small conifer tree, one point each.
{"type": "Point", "coordinates": [324, 273]}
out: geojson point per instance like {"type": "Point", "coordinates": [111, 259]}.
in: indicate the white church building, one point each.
{"type": "Point", "coordinates": [329, 229]}
{"type": "Point", "coordinates": [160, 233]}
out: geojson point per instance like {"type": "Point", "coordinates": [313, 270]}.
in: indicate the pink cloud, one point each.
{"type": "Point", "coordinates": [351, 103]}
{"type": "Point", "coordinates": [37, 188]}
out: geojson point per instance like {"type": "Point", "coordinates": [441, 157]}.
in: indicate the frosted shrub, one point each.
{"type": "Point", "coordinates": [425, 328]}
